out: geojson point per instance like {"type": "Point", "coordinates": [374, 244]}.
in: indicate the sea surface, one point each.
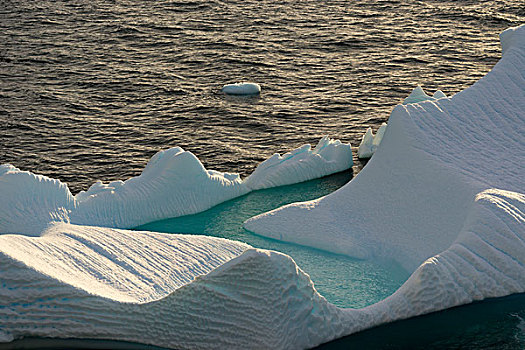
{"type": "Point", "coordinates": [90, 90]}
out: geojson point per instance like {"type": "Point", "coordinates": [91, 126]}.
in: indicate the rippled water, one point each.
{"type": "Point", "coordinates": [92, 89]}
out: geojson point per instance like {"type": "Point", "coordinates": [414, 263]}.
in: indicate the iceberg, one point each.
{"type": "Point", "coordinates": [174, 291]}
{"type": "Point", "coordinates": [443, 196]}
{"type": "Point", "coordinates": [370, 142]}
{"type": "Point", "coordinates": [188, 291]}
{"type": "Point", "coordinates": [242, 89]}
{"type": "Point", "coordinates": [173, 183]}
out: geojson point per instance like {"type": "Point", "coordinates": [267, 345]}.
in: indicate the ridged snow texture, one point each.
{"type": "Point", "coordinates": [101, 283]}
{"type": "Point", "coordinates": [427, 198]}
{"type": "Point", "coordinates": [185, 292]}
{"type": "Point", "coordinates": [174, 183]}
{"type": "Point", "coordinates": [328, 157]}
{"type": "Point", "coordinates": [444, 185]}
{"type": "Point", "coordinates": [370, 142]}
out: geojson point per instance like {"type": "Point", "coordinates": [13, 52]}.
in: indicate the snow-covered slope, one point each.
{"type": "Point", "coordinates": [416, 198]}
{"type": "Point", "coordinates": [370, 142]}
{"type": "Point", "coordinates": [174, 183]}
{"type": "Point", "coordinates": [177, 291]}
{"type": "Point", "coordinates": [187, 292]}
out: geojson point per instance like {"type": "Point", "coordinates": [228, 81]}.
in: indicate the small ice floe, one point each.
{"type": "Point", "coordinates": [369, 142]}
{"type": "Point", "coordinates": [242, 89]}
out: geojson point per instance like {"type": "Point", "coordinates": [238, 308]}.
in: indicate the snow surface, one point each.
{"type": "Point", "coordinates": [173, 183]}
{"type": "Point", "coordinates": [242, 89]}
{"type": "Point", "coordinates": [328, 157]}
{"type": "Point", "coordinates": [176, 291]}
{"type": "Point", "coordinates": [441, 195]}
{"type": "Point", "coordinates": [187, 292]}
{"type": "Point", "coordinates": [370, 142]}
{"type": "Point", "coordinates": [418, 95]}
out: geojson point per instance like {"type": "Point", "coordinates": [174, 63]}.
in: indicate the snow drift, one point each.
{"type": "Point", "coordinates": [173, 183]}
{"type": "Point", "coordinates": [442, 196]}
{"type": "Point", "coordinates": [176, 291]}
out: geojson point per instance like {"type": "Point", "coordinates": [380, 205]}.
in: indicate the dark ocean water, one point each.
{"type": "Point", "coordinates": [92, 89]}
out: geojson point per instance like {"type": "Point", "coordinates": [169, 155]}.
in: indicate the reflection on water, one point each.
{"type": "Point", "coordinates": [491, 324]}
{"type": "Point", "coordinates": [91, 90]}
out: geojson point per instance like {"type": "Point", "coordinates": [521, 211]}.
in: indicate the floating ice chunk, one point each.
{"type": "Point", "coordinates": [242, 89]}
{"type": "Point", "coordinates": [173, 183]}
{"type": "Point", "coordinates": [328, 157]}
{"type": "Point", "coordinates": [369, 142]}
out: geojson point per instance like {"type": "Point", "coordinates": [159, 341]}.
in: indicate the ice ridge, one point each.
{"type": "Point", "coordinates": [173, 183]}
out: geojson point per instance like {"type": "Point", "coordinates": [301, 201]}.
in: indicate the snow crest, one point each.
{"type": "Point", "coordinates": [442, 196]}
{"type": "Point", "coordinates": [175, 291]}
{"type": "Point", "coordinates": [302, 164]}
{"type": "Point", "coordinates": [173, 183]}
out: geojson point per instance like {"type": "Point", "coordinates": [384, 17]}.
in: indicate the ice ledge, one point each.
{"type": "Point", "coordinates": [173, 183]}
{"type": "Point", "coordinates": [249, 297]}
{"type": "Point", "coordinates": [100, 283]}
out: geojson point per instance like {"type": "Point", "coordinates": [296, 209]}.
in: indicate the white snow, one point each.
{"type": "Point", "coordinates": [187, 291]}
{"type": "Point", "coordinates": [443, 195]}
{"type": "Point", "coordinates": [439, 94]}
{"type": "Point", "coordinates": [302, 164]}
{"type": "Point", "coordinates": [173, 183]}
{"type": "Point", "coordinates": [370, 142]}
{"type": "Point", "coordinates": [176, 291]}
{"type": "Point", "coordinates": [244, 88]}
{"type": "Point", "coordinates": [418, 95]}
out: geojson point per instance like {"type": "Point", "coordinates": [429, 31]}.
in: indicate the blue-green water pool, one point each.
{"type": "Point", "coordinates": [344, 281]}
